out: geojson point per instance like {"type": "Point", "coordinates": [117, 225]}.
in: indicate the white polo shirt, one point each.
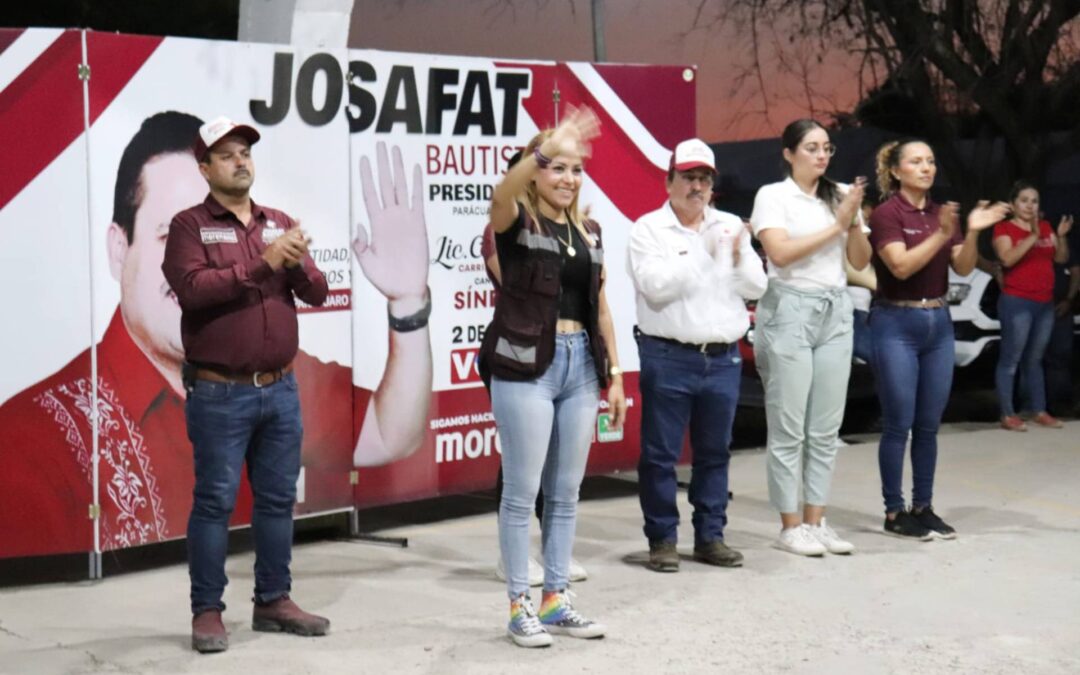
{"type": "Point", "coordinates": [687, 286]}
{"type": "Point", "coordinates": [784, 205]}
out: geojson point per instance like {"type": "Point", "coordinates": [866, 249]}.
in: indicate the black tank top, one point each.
{"type": "Point", "coordinates": [574, 303]}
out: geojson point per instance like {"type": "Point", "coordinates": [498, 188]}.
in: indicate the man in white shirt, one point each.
{"type": "Point", "coordinates": [692, 267]}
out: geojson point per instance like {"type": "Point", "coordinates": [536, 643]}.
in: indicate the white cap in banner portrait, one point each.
{"type": "Point", "coordinates": [691, 154]}
{"type": "Point", "coordinates": [215, 130]}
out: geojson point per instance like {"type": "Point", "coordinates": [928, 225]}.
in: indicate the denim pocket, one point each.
{"type": "Point", "coordinates": [210, 391]}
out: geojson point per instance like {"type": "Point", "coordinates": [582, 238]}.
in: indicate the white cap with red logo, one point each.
{"type": "Point", "coordinates": [692, 154]}
{"type": "Point", "coordinates": [215, 130]}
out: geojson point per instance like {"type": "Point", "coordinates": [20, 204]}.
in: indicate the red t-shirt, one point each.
{"type": "Point", "coordinates": [1032, 277]}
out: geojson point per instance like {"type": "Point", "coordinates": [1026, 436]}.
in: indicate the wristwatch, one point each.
{"type": "Point", "coordinates": [415, 321]}
{"type": "Point", "coordinates": [614, 370]}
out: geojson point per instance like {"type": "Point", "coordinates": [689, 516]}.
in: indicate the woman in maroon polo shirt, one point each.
{"type": "Point", "coordinates": [1027, 248]}
{"type": "Point", "coordinates": [915, 241]}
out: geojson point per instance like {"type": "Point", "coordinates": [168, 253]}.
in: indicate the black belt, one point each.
{"type": "Point", "coordinates": [709, 348]}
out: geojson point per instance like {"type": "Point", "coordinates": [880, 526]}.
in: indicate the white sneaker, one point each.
{"type": "Point", "coordinates": [828, 538]}
{"type": "Point", "coordinates": [577, 572]}
{"type": "Point", "coordinates": [800, 541]}
{"type": "Point", "coordinates": [536, 572]}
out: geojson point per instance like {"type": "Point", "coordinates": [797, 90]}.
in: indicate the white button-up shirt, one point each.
{"type": "Point", "coordinates": [785, 206]}
{"type": "Point", "coordinates": [688, 288]}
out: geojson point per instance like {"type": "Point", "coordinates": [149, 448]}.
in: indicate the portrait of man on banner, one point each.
{"type": "Point", "coordinates": [145, 463]}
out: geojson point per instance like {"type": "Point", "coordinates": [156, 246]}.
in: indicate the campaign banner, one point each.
{"type": "Point", "coordinates": [387, 161]}
{"type": "Point", "coordinates": [46, 453]}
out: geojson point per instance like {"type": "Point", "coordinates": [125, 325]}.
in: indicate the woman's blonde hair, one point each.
{"type": "Point", "coordinates": [530, 198]}
{"type": "Point", "coordinates": [888, 158]}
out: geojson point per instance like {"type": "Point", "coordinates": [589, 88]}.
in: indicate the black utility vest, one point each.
{"type": "Point", "coordinates": [519, 344]}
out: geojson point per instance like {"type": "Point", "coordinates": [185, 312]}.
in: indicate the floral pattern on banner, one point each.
{"type": "Point", "coordinates": [133, 513]}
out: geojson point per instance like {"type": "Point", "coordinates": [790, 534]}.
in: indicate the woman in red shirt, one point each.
{"type": "Point", "coordinates": [1027, 248]}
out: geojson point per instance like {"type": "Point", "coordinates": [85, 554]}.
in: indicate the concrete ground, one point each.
{"type": "Point", "coordinates": [1003, 598]}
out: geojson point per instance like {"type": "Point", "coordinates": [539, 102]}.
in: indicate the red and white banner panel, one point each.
{"type": "Point", "coordinates": [388, 161]}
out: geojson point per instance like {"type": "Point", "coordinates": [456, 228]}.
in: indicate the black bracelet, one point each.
{"type": "Point", "coordinates": [415, 321]}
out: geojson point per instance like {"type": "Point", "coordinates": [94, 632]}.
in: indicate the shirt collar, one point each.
{"type": "Point", "coordinates": [218, 211]}
{"type": "Point", "coordinates": [673, 219]}
{"type": "Point", "coordinates": [791, 188]}
{"type": "Point", "coordinates": [137, 383]}
{"type": "Point", "coordinates": [904, 205]}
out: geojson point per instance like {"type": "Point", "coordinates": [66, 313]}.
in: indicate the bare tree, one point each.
{"type": "Point", "coordinates": [1004, 71]}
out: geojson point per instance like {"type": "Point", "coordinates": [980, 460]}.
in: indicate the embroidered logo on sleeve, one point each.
{"type": "Point", "coordinates": [218, 235]}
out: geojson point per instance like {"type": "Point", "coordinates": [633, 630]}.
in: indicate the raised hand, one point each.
{"type": "Point", "coordinates": [301, 241]}
{"type": "Point", "coordinates": [394, 256]}
{"type": "Point", "coordinates": [850, 204]}
{"type": "Point", "coordinates": [986, 215]}
{"type": "Point", "coordinates": [572, 135]}
{"type": "Point", "coordinates": [287, 250]}
{"type": "Point", "coordinates": [1064, 225]}
{"type": "Point", "coordinates": [948, 217]}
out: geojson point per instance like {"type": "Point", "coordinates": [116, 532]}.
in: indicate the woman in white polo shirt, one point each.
{"type": "Point", "coordinates": [803, 338]}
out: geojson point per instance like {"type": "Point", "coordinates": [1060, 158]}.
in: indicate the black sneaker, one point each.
{"type": "Point", "coordinates": [907, 525]}
{"type": "Point", "coordinates": [933, 522]}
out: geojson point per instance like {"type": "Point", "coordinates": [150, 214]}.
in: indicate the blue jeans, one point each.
{"type": "Point", "coordinates": [914, 357]}
{"type": "Point", "coordinates": [682, 388]}
{"type": "Point", "coordinates": [562, 403]}
{"type": "Point", "coordinates": [1025, 333]}
{"type": "Point", "coordinates": [229, 424]}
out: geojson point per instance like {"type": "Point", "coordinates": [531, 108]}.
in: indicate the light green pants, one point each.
{"type": "Point", "coordinates": [802, 348]}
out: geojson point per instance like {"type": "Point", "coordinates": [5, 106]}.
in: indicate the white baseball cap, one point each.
{"type": "Point", "coordinates": [691, 154]}
{"type": "Point", "coordinates": [213, 131]}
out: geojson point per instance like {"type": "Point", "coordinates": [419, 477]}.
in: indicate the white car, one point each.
{"type": "Point", "coordinates": [973, 306]}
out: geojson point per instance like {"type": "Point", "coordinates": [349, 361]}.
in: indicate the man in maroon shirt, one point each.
{"type": "Point", "coordinates": [146, 466]}
{"type": "Point", "coordinates": [235, 267]}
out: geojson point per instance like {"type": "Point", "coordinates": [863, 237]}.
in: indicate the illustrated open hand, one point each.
{"type": "Point", "coordinates": [985, 215]}
{"type": "Point", "coordinates": [394, 256]}
{"type": "Point", "coordinates": [1064, 225]}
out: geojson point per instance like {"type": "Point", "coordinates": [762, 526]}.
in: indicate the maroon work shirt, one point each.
{"type": "Point", "coordinates": [896, 219]}
{"type": "Point", "coordinates": [238, 313]}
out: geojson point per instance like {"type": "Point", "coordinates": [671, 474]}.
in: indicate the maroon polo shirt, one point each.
{"type": "Point", "coordinates": [238, 313]}
{"type": "Point", "coordinates": [896, 219]}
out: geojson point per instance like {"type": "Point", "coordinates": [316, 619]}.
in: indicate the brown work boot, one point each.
{"type": "Point", "coordinates": [663, 557]}
{"type": "Point", "coordinates": [283, 615]}
{"type": "Point", "coordinates": [208, 633]}
{"type": "Point", "coordinates": [717, 553]}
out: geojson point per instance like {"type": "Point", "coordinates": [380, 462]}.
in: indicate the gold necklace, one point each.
{"type": "Point", "coordinates": [569, 244]}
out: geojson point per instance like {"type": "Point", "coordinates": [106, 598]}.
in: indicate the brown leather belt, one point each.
{"type": "Point", "coordinates": [925, 303]}
{"type": "Point", "coordinates": [257, 379]}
